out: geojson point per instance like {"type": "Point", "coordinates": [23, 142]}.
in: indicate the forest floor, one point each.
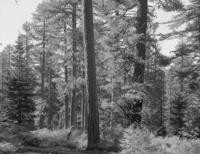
{"type": "Point", "coordinates": [15, 140]}
{"type": "Point", "coordinates": [56, 150]}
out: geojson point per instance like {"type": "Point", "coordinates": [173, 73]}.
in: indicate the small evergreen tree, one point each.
{"type": "Point", "coordinates": [177, 115]}
{"type": "Point", "coordinates": [20, 87]}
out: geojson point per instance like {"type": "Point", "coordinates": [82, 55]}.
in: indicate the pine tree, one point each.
{"type": "Point", "coordinates": [141, 30]}
{"type": "Point", "coordinates": [177, 115]}
{"type": "Point", "coordinates": [93, 114]}
{"type": "Point", "coordinates": [20, 91]}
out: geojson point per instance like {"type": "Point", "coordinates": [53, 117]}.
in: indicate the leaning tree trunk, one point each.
{"type": "Point", "coordinates": [93, 114]}
{"type": "Point", "coordinates": [141, 29]}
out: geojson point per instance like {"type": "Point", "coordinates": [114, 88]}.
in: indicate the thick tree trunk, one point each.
{"type": "Point", "coordinates": [74, 100]}
{"type": "Point", "coordinates": [93, 114]}
{"type": "Point", "coordinates": [141, 29]}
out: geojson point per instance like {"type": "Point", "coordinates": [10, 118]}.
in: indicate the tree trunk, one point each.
{"type": "Point", "coordinates": [84, 105]}
{"type": "Point", "coordinates": [182, 61]}
{"type": "Point", "coordinates": [93, 114]}
{"type": "Point", "coordinates": [74, 100]}
{"type": "Point", "coordinates": [50, 108]}
{"type": "Point", "coordinates": [66, 121]}
{"type": "Point", "coordinates": [141, 29]}
{"type": "Point", "coordinates": [41, 121]}
{"type": "Point", "coordinates": [2, 78]}
{"type": "Point", "coordinates": [198, 24]}
{"type": "Point", "coordinates": [43, 58]}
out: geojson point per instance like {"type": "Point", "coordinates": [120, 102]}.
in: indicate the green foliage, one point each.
{"type": "Point", "coordinates": [71, 138]}
{"type": "Point", "coordinates": [110, 137]}
{"type": "Point", "coordinates": [155, 109]}
{"type": "Point", "coordinates": [143, 142]}
{"type": "Point", "coordinates": [135, 140]}
{"type": "Point", "coordinates": [20, 89]}
{"type": "Point", "coordinates": [177, 114]}
{"type": "Point", "coordinates": [171, 5]}
{"type": "Point", "coordinates": [130, 105]}
{"type": "Point", "coordinates": [21, 105]}
{"type": "Point", "coordinates": [12, 133]}
{"type": "Point", "coordinates": [7, 148]}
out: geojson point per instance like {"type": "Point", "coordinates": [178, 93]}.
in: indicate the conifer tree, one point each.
{"type": "Point", "coordinates": [93, 113]}
{"type": "Point", "coordinates": [20, 91]}
{"type": "Point", "coordinates": [177, 115]}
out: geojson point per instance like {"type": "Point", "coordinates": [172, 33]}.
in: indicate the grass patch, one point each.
{"type": "Point", "coordinates": [70, 138]}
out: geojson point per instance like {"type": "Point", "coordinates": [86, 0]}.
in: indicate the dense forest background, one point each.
{"type": "Point", "coordinates": [93, 72]}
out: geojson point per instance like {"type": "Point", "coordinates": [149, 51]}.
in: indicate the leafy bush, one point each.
{"type": "Point", "coordinates": [136, 141]}
{"type": "Point", "coordinates": [11, 133]}
{"type": "Point", "coordinates": [7, 148]}
{"type": "Point", "coordinates": [30, 139]}
{"type": "Point", "coordinates": [110, 138]}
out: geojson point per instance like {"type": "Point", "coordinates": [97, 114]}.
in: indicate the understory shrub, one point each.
{"type": "Point", "coordinates": [110, 138]}
{"type": "Point", "coordinates": [136, 141]}
{"type": "Point", "coordinates": [11, 133]}
{"type": "Point", "coordinates": [70, 138]}
{"type": "Point", "coordinates": [7, 148]}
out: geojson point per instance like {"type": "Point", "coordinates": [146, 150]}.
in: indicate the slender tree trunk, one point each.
{"type": "Point", "coordinates": [162, 99]}
{"type": "Point", "coordinates": [26, 48]}
{"type": "Point", "coordinates": [2, 79]}
{"type": "Point", "coordinates": [199, 29]}
{"type": "Point", "coordinates": [43, 58]}
{"type": "Point", "coordinates": [84, 105]}
{"type": "Point", "coordinates": [27, 55]}
{"type": "Point", "coordinates": [93, 114]}
{"type": "Point", "coordinates": [50, 108]}
{"type": "Point", "coordinates": [66, 121]}
{"type": "Point", "coordinates": [155, 69]}
{"type": "Point", "coordinates": [74, 99]}
{"type": "Point", "coordinates": [112, 104]}
{"type": "Point", "coordinates": [182, 61]}
{"type": "Point", "coordinates": [141, 29]}
{"type": "Point", "coordinates": [83, 108]}
{"type": "Point", "coordinates": [41, 121]}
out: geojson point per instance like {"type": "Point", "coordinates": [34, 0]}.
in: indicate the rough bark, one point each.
{"type": "Point", "coordinates": [141, 29]}
{"type": "Point", "coordinates": [93, 114]}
